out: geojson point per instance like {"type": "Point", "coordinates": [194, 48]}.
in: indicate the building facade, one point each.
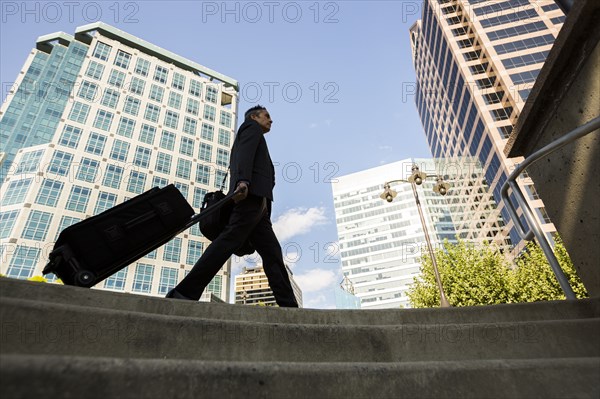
{"type": "Point", "coordinates": [252, 287]}
{"type": "Point", "coordinates": [95, 119]}
{"type": "Point", "coordinates": [475, 63]}
{"type": "Point", "coordinates": [381, 243]}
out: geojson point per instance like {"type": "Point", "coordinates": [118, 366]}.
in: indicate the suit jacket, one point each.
{"type": "Point", "coordinates": [250, 161]}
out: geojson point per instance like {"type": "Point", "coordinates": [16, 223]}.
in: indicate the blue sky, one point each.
{"type": "Point", "coordinates": [336, 76]}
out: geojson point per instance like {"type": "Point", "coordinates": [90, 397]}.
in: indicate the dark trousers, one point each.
{"type": "Point", "coordinates": [250, 219]}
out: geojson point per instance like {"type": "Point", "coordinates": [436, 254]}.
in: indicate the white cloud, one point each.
{"type": "Point", "coordinates": [298, 221]}
{"type": "Point", "coordinates": [312, 126]}
{"type": "Point", "coordinates": [316, 280]}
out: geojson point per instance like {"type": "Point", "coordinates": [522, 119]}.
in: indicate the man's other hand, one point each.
{"type": "Point", "coordinates": [241, 192]}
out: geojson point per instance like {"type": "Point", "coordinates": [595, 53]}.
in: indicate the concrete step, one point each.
{"type": "Point", "coordinates": [36, 327]}
{"type": "Point", "coordinates": [77, 377]}
{"type": "Point", "coordinates": [52, 293]}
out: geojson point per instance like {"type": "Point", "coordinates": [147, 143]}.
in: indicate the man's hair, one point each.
{"type": "Point", "coordinates": [254, 111]}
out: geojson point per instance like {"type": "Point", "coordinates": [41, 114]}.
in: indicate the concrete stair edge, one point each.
{"type": "Point", "coordinates": [34, 327]}
{"type": "Point", "coordinates": [27, 376]}
{"type": "Point", "coordinates": [132, 302]}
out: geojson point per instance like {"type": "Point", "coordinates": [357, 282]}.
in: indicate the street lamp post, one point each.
{"type": "Point", "coordinates": [441, 187]}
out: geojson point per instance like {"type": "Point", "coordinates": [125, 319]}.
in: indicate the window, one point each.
{"type": "Point", "coordinates": [168, 280]}
{"type": "Point", "coordinates": [163, 163]}
{"type": "Point", "coordinates": [221, 178]}
{"type": "Point", "coordinates": [224, 137]}
{"type": "Point", "coordinates": [88, 169]}
{"type": "Point", "coordinates": [501, 114]}
{"type": "Point", "coordinates": [203, 174]}
{"type": "Point", "coordinates": [119, 151]}
{"type": "Point", "coordinates": [160, 182]}
{"type": "Point", "coordinates": [94, 70]}
{"type": "Point", "coordinates": [486, 83]}
{"type": "Point", "coordinates": [116, 281]}
{"type": "Point", "coordinates": [78, 199]}
{"type": "Point", "coordinates": [36, 227]}
{"type": "Point", "coordinates": [205, 153]}
{"type": "Point", "coordinates": [142, 280]}
{"type": "Point", "coordinates": [49, 192]}
{"type": "Point", "coordinates": [195, 88]}
{"type": "Point", "coordinates": [193, 106]}
{"type": "Point", "coordinates": [210, 112]}
{"type": "Point", "coordinates": [113, 176]}
{"type": "Point", "coordinates": [222, 157]}
{"type": "Point", "coordinates": [171, 119]}
{"type": "Point", "coordinates": [211, 94]}
{"type": "Point", "coordinates": [533, 194]}
{"type": "Point", "coordinates": [161, 74]}
{"type": "Point", "coordinates": [518, 45]}
{"type": "Point", "coordinates": [132, 106]}
{"type": "Point", "coordinates": [186, 147]}
{"type": "Point", "coordinates": [116, 78]}
{"type": "Point", "coordinates": [7, 222]}
{"type": "Point", "coordinates": [137, 86]}
{"type": "Point", "coordinates": [524, 77]}
{"type": "Point", "coordinates": [126, 127]}
{"type": "Point", "coordinates": [184, 168]}
{"type": "Point", "coordinates": [23, 262]}
{"type": "Point", "coordinates": [167, 140]}
{"type": "Point", "coordinates": [505, 131]}
{"type": "Point", "coordinates": [147, 134]}
{"type": "Point", "coordinates": [79, 112]}
{"type": "Point", "coordinates": [543, 215]}
{"type": "Point", "coordinates": [88, 90]}
{"type": "Point", "coordinates": [178, 81]}
{"type": "Point", "coordinates": [172, 250]}
{"type": "Point", "coordinates": [142, 67]}
{"type": "Point", "coordinates": [136, 182]}
{"type": "Point", "coordinates": [110, 98]}
{"type": "Point", "coordinates": [175, 100]}
{"type": "Point", "coordinates": [60, 163]}
{"type": "Point", "coordinates": [142, 156]}
{"type": "Point", "coordinates": [493, 98]}
{"type": "Point", "coordinates": [70, 136]}
{"type": "Point", "coordinates": [103, 120]}
{"type": "Point", "coordinates": [95, 144]}
{"type": "Point", "coordinates": [189, 125]}
{"type": "Point", "coordinates": [524, 60]}
{"type": "Point", "coordinates": [152, 112]}
{"type": "Point", "coordinates": [207, 132]}
{"type": "Point", "coordinates": [225, 119]}
{"type": "Point", "coordinates": [102, 51]}
{"type": "Point", "coordinates": [105, 201]}
{"type": "Point", "coordinates": [194, 252]}
{"type": "Point", "coordinates": [122, 59]}
{"type": "Point", "coordinates": [30, 162]}
{"type": "Point", "coordinates": [156, 93]}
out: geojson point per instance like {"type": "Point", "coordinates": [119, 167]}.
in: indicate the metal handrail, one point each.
{"type": "Point", "coordinates": [534, 227]}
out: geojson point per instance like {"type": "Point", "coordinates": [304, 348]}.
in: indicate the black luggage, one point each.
{"type": "Point", "coordinates": [96, 248]}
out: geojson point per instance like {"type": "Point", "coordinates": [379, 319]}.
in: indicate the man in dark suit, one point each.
{"type": "Point", "coordinates": [253, 179]}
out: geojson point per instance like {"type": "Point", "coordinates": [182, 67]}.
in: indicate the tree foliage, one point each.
{"type": "Point", "coordinates": [481, 275]}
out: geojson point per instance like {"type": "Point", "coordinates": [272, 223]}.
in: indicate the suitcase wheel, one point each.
{"type": "Point", "coordinates": [84, 278]}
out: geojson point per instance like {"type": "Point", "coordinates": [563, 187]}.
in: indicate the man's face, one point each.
{"type": "Point", "coordinates": [264, 120]}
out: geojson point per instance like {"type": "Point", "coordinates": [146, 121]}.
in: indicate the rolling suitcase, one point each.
{"type": "Point", "coordinates": [92, 250]}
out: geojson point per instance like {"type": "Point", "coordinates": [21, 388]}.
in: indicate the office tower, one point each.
{"type": "Point", "coordinates": [381, 243]}
{"type": "Point", "coordinates": [98, 118]}
{"type": "Point", "coordinates": [252, 287]}
{"type": "Point", "coordinates": [476, 62]}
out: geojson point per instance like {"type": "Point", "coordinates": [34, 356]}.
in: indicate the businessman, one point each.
{"type": "Point", "coordinates": [253, 179]}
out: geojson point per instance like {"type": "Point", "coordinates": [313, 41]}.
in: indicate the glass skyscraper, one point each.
{"type": "Point", "coordinates": [381, 243]}
{"type": "Point", "coordinates": [95, 119]}
{"type": "Point", "coordinates": [476, 62]}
